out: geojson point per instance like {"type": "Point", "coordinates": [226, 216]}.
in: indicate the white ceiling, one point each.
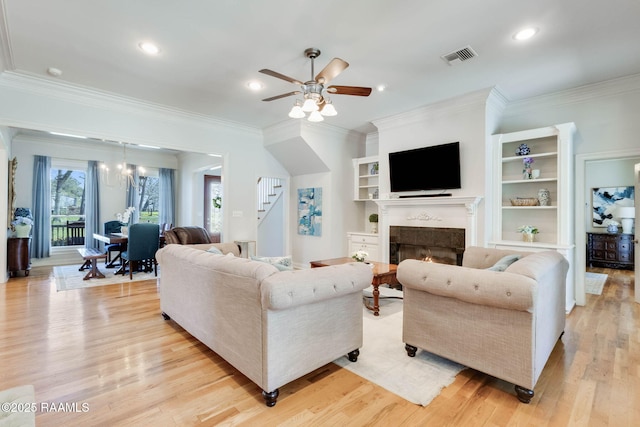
{"type": "Point", "coordinates": [211, 49]}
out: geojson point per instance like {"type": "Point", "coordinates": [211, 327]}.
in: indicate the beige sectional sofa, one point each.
{"type": "Point", "coordinates": [503, 323]}
{"type": "Point", "coordinates": [273, 326]}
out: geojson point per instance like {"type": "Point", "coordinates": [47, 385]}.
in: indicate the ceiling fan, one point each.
{"type": "Point", "coordinates": [315, 101]}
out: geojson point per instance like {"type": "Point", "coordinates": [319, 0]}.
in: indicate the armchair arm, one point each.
{"type": "Point", "coordinates": [484, 287]}
{"type": "Point", "coordinates": [299, 287]}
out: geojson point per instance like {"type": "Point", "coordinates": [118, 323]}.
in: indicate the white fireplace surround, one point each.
{"type": "Point", "coordinates": [438, 212]}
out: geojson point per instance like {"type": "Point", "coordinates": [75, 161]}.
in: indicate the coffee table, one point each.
{"type": "Point", "coordinates": [382, 274]}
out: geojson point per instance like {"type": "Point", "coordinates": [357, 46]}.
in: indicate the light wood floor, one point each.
{"type": "Point", "coordinates": [109, 348]}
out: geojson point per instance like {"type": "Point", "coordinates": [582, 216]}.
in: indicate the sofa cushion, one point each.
{"type": "Point", "coordinates": [282, 263]}
{"type": "Point", "coordinates": [504, 262]}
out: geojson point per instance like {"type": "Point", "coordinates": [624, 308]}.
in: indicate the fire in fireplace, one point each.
{"type": "Point", "coordinates": [434, 244]}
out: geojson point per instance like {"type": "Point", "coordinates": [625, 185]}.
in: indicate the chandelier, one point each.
{"type": "Point", "coordinates": [314, 103]}
{"type": "Point", "coordinates": [124, 174]}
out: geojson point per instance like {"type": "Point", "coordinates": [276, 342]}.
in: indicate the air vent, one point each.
{"type": "Point", "coordinates": [459, 55]}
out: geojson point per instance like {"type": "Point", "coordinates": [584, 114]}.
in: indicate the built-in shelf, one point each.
{"type": "Point", "coordinates": [551, 150]}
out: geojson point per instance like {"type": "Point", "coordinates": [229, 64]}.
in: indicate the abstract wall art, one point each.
{"type": "Point", "coordinates": [605, 201]}
{"type": "Point", "coordinates": [310, 211]}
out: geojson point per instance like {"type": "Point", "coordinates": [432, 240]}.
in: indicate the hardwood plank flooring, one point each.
{"type": "Point", "coordinates": [109, 349]}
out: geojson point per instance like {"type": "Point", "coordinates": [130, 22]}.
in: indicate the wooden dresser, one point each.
{"type": "Point", "coordinates": [18, 255]}
{"type": "Point", "coordinates": [610, 250]}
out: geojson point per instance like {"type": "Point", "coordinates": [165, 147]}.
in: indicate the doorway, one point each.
{"type": "Point", "coordinates": [583, 214]}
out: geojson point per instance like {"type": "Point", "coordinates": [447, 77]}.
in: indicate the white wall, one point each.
{"type": "Point", "coordinates": [459, 119]}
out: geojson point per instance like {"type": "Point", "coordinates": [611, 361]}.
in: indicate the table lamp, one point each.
{"type": "Point", "coordinates": [626, 215]}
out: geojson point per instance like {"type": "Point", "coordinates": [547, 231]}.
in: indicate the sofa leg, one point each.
{"type": "Point", "coordinates": [353, 355]}
{"type": "Point", "coordinates": [524, 394]}
{"type": "Point", "coordinates": [270, 397]}
{"type": "Point", "coordinates": [411, 350]}
{"type": "Point", "coordinates": [165, 316]}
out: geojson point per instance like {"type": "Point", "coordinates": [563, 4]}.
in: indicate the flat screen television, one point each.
{"type": "Point", "coordinates": [427, 168]}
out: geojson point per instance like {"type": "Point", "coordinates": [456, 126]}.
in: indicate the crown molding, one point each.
{"type": "Point", "coordinates": [445, 107]}
{"type": "Point", "coordinates": [607, 88]}
{"type": "Point", "coordinates": [93, 98]}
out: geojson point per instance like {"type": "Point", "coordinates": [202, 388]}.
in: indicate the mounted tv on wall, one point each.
{"type": "Point", "coordinates": [425, 169]}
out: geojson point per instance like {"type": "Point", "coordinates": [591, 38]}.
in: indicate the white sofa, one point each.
{"type": "Point", "coordinates": [273, 326]}
{"type": "Point", "coordinates": [503, 323]}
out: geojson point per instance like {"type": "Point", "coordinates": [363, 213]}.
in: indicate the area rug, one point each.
{"type": "Point", "coordinates": [384, 361]}
{"type": "Point", "coordinates": [68, 277]}
{"type": "Point", "coordinates": [594, 282]}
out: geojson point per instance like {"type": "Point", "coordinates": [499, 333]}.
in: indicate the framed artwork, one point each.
{"type": "Point", "coordinates": [310, 211]}
{"type": "Point", "coordinates": [605, 201]}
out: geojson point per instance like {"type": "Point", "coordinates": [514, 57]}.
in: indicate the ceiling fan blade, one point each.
{"type": "Point", "coordinates": [333, 68]}
{"type": "Point", "coordinates": [284, 95]}
{"type": "Point", "coordinates": [280, 76]}
{"type": "Point", "coordinates": [350, 90]}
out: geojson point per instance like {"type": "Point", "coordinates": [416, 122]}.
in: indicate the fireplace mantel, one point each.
{"type": "Point", "coordinates": [470, 202]}
{"type": "Point", "coordinates": [461, 212]}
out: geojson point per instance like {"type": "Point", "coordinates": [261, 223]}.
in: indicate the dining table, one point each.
{"type": "Point", "coordinates": [110, 239]}
{"type": "Point", "coordinates": [118, 238]}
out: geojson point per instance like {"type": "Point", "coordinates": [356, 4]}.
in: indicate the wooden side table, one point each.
{"type": "Point", "coordinates": [18, 255]}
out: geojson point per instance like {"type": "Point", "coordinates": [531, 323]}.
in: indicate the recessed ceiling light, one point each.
{"type": "Point", "coordinates": [55, 72]}
{"type": "Point", "coordinates": [149, 48]}
{"type": "Point", "coordinates": [525, 34]}
{"type": "Point", "coordinates": [254, 85]}
{"type": "Point", "coordinates": [381, 88]}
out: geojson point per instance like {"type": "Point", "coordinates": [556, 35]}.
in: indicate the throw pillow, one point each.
{"type": "Point", "coordinates": [214, 250]}
{"type": "Point", "coordinates": [282, 263]}
{"type": "Point", "coordinates": [504, 262]}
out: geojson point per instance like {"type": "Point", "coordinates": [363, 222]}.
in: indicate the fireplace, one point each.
{"type": "Point", "coordinates": [437, 244]}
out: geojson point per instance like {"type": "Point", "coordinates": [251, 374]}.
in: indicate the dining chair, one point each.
{"type": "Point", "coordinates": [143, 243]}
{"type": "Point", "coordinates": [113, 227]}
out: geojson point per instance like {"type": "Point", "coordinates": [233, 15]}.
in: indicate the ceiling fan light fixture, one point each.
{"type": "Point", "coordinates": [309, 105]}
{"type": "Point", "coordinates": [315, 116]}
{"type": "Point", "coordinates": [329, 110]}
{"type": "Point", "coordinates": [296, 112]}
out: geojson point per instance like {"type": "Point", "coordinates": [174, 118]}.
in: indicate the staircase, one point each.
{"type": "Point", "coordinates": [269, 190]}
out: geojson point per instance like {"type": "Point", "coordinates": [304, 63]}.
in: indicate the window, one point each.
{"type": "Point", "coordinates": [148, 195]}
{"type": "Point", "coordinates": [67, 179]}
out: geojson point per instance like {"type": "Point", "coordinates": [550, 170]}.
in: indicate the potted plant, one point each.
{"type": "Point", "coordinates": [373, 219]}
{"type": "Point", "coordinates": [528, 232]}
{"type": "Point", "coordinates": [22, 226]}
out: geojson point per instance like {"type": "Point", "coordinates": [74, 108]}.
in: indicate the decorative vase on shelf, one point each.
{"type": "Point", "coordinates": [528, 237]}
{"type": "Point", "coordinates": [544, 197]}
{"type": "Point", "coordinates": [374, 227]}
{"type": "Point", "coordinates": [22, 230]}
{"type": "Point", "coordinates": [124, 230]}
{"type": "Point", "coordinates": [612, 228]}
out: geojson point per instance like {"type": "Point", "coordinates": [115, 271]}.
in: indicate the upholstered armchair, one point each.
{"type": "Point", "coordinates": [143, 243]}
{"type": "Point", "coordinates": [503, 323]}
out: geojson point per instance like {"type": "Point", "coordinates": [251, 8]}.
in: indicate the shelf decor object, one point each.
{"type": "Point", "coordinates": [544, 197]}
{"type": "Point", "coordinates": [525, 201]}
